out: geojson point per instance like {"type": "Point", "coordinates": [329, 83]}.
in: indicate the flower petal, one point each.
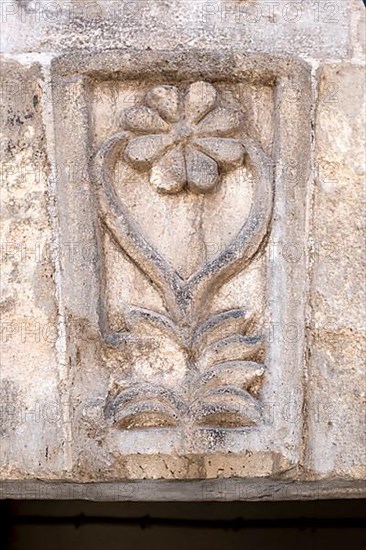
{"type": "Point", "coordinates": [169, 174]}
{"type": "Point", "coordinates": [165, 99]}
{"type": "Point", "coordinates": [142, 151]}
{"type": "Point", "coordinates": [143, 119]}
{"type": "Point", "coordinates": [202, 171]}
{"type": "Point", "coordinates": [200, 99]}
{"type": "Point", "coordinates": [229, 153]}
{"type": "Point", "coordinates": [220, 122]}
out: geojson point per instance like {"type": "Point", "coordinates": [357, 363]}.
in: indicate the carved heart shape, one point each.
{"type": "Point", "coordinates": [184, 296]}
{"type": "Point", "coordinates": [186, 228]}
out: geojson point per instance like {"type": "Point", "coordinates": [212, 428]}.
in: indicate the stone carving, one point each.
{"type": "Point", "coordinates": [169, 315]}
{"type": "Point", "coordinates": [186, 139]}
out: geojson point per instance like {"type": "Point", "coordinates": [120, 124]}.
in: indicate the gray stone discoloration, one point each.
{"type": "Point", "coordinates": [9, 399]}
{"type": "Point", "coordinates": [226, 490]}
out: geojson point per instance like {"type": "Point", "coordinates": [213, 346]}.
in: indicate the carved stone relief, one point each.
{"type": "Point", "coordinates": [201, 141]}
{"type": "Point", "coordinates": [183, 196]}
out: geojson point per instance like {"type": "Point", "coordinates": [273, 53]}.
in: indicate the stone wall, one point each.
{"type": "Point", "coordinates": [182, 249]}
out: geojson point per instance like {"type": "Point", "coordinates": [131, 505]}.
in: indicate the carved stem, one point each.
{"type": "Point", "coordinates": [196, 293]}
{"type": "Point", "coordinates": [116, 220]}
{"type": "Point", "coordinates": [185, 302]}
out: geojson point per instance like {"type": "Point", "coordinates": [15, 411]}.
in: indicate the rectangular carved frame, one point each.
{"type": "Point", "coordinates": [276, 445]}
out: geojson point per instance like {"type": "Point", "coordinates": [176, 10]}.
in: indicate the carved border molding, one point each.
{"type": "Point", "coordinates": [78, 206]}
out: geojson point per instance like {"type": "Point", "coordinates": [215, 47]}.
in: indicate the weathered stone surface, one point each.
{"type": "Point", "coordinates": [336, 406]}
{"type": "Point", "coordinates": [358, 31]}
{"type": "Point", "coordinates": [182, 301]}
{"type": "Point", "coordinates": [157, 365]}
{"type": "Point", "coordinates": [31, 440]}
{"type": "Point", "coordinates": [336, 374]}
{"type": "Point", "coordinates": [338, 253]}
{"type": "Point", "coordinates": [315, 29]}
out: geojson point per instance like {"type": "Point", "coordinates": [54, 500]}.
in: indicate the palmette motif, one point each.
{"type": "Point", "coordinates": [187, 139]}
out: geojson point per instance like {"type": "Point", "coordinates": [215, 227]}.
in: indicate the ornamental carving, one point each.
{"type": "Point", "coordinates": [187, 139]}
{"type": "Point", "coordinates": [174, 313]}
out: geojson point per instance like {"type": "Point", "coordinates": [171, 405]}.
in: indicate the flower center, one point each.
{"type": "Point", "coordinates": [183, 132]}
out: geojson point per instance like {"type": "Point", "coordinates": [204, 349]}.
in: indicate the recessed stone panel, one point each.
{"type": "Point", "coordinates": [186, 327]}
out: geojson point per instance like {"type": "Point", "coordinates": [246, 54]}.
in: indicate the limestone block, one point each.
{"type": "Point", "coordinates": [336, 406]}
{"type": "Point", "coordinates": [180, 321]}
{"type": "Point", "coordinates": [336, 374]}
{"type": "Point", "coordinates": [31, 439]}
{"type": "Point", "coordinates": [182, 249]}
{"type": "Point", "coordinates": [312, 29]}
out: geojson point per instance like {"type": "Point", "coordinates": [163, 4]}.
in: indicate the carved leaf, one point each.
{"type": "Point", "coordinates": [137, 318]}
{"type": "Point", "coordinates": [227, 323]}
{"type": "Point", "coordinates": [233, 348]}
{"type": "Point", "coordinates": [226, 407]}
{"type": "Point", "coordinates": [245, 375]}
{"type": "Point", "coordinates": [148, 414]}
{"type": "Point", "coordinates": [145, 406]}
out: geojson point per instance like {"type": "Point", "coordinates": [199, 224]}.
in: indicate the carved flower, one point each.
{"type": "Point", "coordinates": [184, 139]}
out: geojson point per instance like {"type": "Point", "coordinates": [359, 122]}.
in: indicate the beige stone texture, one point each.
{"type": "Point", "coordinates": [358, 31]}
{"type": "Point", "coordinates": [312, 29]}
{"type": "Point", "coordinates": [31, 414]}
{"type": "Point", "coordinates": [336, 348]}
{"type": "Point", "coordinates": [182, 250]}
